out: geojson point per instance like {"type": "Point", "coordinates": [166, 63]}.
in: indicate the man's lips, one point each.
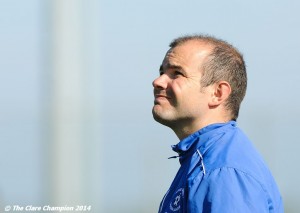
{"type": "Point", "coordinates": [159, 97]}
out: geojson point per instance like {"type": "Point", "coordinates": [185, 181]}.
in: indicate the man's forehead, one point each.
{"type": "Point", "coordinates": [185, 53]}
{"type": "Point", "coordinates": [171, 59]}
{"type": "Point", "coordinates": [170, 52]}
{"type": "Point", "coordinates": [168, 56]}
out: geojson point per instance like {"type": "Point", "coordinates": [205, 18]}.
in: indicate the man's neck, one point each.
{"type": "Point", "coordinates": [184, 131]}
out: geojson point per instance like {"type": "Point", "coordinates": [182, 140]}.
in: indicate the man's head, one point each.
{"type": "Point", "coordinates": [202, 80]}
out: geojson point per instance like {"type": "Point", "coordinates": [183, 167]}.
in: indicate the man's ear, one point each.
{"type": "Point", "coordinates": [220, 92]}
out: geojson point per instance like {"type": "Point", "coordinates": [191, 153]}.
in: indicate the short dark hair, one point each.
{"type": "Point", "coordinates": [224, 62]}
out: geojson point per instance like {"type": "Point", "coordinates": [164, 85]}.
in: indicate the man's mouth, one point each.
{"type": "Point", "coordinates": [159, 97]}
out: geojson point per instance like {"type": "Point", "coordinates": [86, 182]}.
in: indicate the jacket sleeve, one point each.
{"type": "Point", "coordinates": [227, 190]}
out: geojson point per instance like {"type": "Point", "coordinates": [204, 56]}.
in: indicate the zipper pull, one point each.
{"type": "Point", "coordinates": [173, 157]}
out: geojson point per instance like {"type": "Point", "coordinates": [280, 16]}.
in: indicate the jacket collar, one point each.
{"type": "Point", "coordinates": [197, 140]}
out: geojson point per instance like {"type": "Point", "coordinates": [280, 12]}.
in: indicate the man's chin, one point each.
{"type": "Point", "coordinates": [160, 119]}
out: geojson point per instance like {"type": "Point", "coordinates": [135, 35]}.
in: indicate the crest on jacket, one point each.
{"type": "Point", "coordinates": [176, 201]}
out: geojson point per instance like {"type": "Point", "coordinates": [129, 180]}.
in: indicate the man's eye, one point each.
{"type": "Point", "coordinates": [178, 73]}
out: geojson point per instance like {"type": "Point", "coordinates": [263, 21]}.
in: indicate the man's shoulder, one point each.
{"type": "Point", "coordinates": [233, 150]}
{"type": "Point", "coordinates": [230, 187]}
{"type": "Point", "coordinates": [233, 164]}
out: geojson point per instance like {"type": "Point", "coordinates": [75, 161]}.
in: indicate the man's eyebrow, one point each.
{"type": "Point", "coordinates": [175, 67]}
{"type": "Point", "coordinates": [169, 66]}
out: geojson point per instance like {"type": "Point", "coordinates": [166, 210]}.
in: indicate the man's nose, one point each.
{"type": "Point", "coordinates": [161, 82]}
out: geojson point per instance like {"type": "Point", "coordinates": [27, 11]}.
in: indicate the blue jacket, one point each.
{"type": "Point", "coordinates": [221, 172]}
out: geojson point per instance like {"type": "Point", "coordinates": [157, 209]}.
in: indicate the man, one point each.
{"type": "Point", "coordinates": [198, 95]}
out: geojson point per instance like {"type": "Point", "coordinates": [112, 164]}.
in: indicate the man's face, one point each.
{"type": "Point", "coordinates": [179, 99]}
